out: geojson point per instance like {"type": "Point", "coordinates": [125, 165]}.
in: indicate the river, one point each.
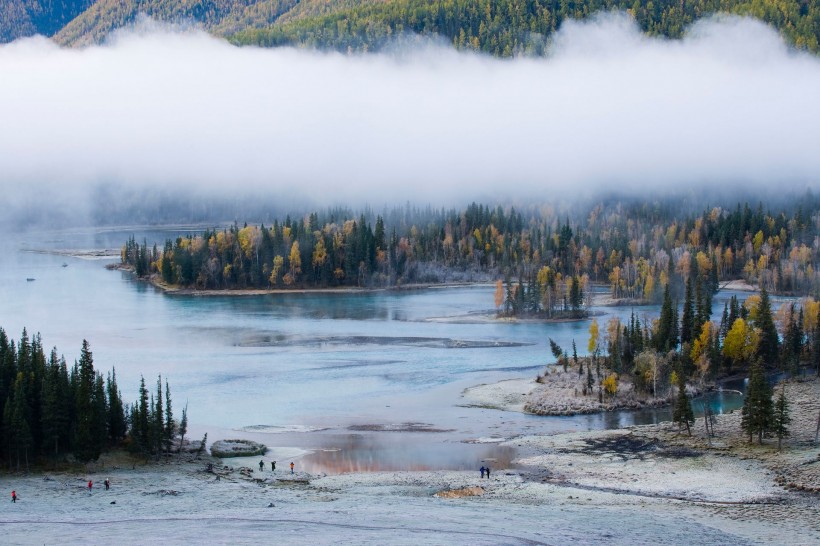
{"type": "Point", "coordinates": [346, 381]}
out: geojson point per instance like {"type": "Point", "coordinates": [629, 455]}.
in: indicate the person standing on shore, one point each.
{"type": "Point", "coordinates": [487, 470]}
{"type": "Point", "coordinates": [273, 466]}
{"type": "Point", "coordinates": [261, 465]}
{"type": "Point", "coordinates": [482, 471]}
{"type": "Point", "coordinates": [14, 497]}
{"type": "Point", "coordinates": [291, 467]}
{"type": "Point", "coordinates": [90, 484]}
{"type": "Point", "coordinates": [107, 483]}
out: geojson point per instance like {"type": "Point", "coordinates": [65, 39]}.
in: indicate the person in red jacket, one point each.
{"type": "Point", "coordinates": [89, 485]}
{"type": "Point", "coordinates": [14, 496]}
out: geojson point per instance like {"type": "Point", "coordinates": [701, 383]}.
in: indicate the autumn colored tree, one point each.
{"type": "Point", "coordinates": [741, 342]}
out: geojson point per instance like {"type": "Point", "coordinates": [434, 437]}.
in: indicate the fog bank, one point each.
{"type": "Point", "coordinates": [609, 108]}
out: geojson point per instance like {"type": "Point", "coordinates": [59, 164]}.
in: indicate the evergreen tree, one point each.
{"type": "Point", "coordinates": [782, 418]}
{"type": "Point", "coordinates": [170, 426]}
{"type": "Point", "coordinates": [682, 413]}
{"type": "Point", "coordinates": [768, 349]}
{"type": "Point", "coordinates": [85, 441]}
{"type": "Point", "coordinates": [116, 411]}
{"type": "Point", "coordinates": [574, 353]}
{"type": "Point", "coordinates": [183, 427]}
{"type": "Point", "coordinates": [757, 414]}
{"type": "Point", "coordinates": [666, 325]}
{"type": "Point", "coordinates": [687, 325]}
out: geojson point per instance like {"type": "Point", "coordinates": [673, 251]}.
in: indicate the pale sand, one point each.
{"type": "Point", "coordinates": [644, 485]}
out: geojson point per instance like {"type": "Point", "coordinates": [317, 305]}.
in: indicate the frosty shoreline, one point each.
{"type": "Point", "coordinates": [639, 485]}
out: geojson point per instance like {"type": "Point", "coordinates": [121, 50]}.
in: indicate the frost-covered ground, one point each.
{"type": "Point", "coordinates": [642, 485]}
{"type": "Point", "coordinates": [560, 496]}
{"type": "Point", "coordinates": [182, 505]}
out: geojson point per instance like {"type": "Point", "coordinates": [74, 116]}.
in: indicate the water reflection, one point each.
{"type": "Point", "coordinates": [382, 452]}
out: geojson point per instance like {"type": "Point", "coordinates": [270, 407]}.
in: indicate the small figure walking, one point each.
{"type": "Point", "coordinates": [482, 471]}
{"type": "Point", "coordinates": [14, 496]}
{"type": "Point", "coordinates": [261, 465]}
{"type": "Point", "coordinates": [90, 484]}
{"type": "Point", "coordinates": [273, 466]}
{"type": "Point", "coordinates": [107, 483]}
{"type": "Point", "coordinates": [487, 470]}
{"type": "Point", "coordinates": [291, 468]}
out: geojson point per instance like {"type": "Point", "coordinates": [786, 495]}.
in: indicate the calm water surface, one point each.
{"type": "Point", "coordinates": [352, 380]}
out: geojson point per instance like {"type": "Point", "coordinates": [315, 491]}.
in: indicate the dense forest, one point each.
{"type": "Point", "coordinates": [512, 27]}
{"type": "Point", "coordinates": [502, 28]}
{"type": "Point", "coordinates": [658, 357]}
{"type": "Point", "coordinates": [636, 248]}
{"type": "Point", "coordinates": [50, 411]}
{"type": "Point", "coordinates": [19, 18]}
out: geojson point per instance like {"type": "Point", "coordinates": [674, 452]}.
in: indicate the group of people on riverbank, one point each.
{"type": "Point", "coordinates": [89, 486]}
{"type": "Point", "coordinates": [485, 470]}
{"type": "Point", "coordinates": [272, 466]}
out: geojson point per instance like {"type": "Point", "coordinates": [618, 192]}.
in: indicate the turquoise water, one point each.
{"type": "Point", "coordinates": [284, 364]}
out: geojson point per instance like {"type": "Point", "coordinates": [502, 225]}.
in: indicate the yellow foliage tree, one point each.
{"type": "Point", "coordinates": [592, 346]}
{"type": "Point", "coordinates": [610, 384]}
{"type": "Point", "coordinates": [294, 262]}
{"type": "Point", "coordinates": [499, 293]}
{"type": "Point", "coordinates": [741, 341]}
{"type": "Point", "coordinates": [278, 264]}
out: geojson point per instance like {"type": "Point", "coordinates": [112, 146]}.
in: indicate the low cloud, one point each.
{"type": "Point", "coordinates": [729, 105]}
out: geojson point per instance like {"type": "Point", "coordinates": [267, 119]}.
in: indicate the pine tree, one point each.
{"type": "Point", "coordinates": [687, 325]}
{"type": "Point", "coordinates": [666, 327]}
{"type": "Point", "coordinates": [682, 413]}
{"type": "Point", "coordinates": [768, 349]}
{"type": "Point", "coordinates": [757, 414]}
{"type": "Point", "coordinates": [116, 411]}
{"type": "Point", "coordinates": [183, 427]}
{"type": "Point", "coordinates": [170, 426]}
{"type": "Point", "coordinates": [574, 353]}
{"type": "Point", "coordinates": [782, 418]}
{"type": "Point", "coordinates": [85, 442]}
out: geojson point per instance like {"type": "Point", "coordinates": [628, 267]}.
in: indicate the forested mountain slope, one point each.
{"type": "Point", "coordinates": [20, 18]}
{"type": "Point", "coordinates": [509, 27]}
{"type": "Point", "coordinates": [499, 27]}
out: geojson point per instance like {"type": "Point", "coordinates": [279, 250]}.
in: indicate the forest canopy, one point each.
{"type": "Point", "coordinates": [502, 28]}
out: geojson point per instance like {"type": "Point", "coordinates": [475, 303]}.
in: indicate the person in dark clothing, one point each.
{"type": "Point", "coordinates": [107, 483]}
{"type": "Point", "coordinates": [273, 466]}
{"type": "Point", "coordinates": [487, 470]}
{"type": "Point", "coordinates": [482, 471]}
{"type": "Point", "coordinates": [14, 496]}
{"type": "Point", "coordinates": [261, 465]}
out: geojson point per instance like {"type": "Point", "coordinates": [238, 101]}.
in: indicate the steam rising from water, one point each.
{"type": "Point", "coordinates": [160, 108]}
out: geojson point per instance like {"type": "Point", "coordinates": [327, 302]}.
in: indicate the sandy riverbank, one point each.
{"type": "Point", "coordinates": [643, 485]}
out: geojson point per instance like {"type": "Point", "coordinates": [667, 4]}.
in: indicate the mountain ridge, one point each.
{"type": "Point", "coordinates": [502, 28]}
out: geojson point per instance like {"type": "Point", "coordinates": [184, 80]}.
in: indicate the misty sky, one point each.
{"type": "Point", "coordinates": [610, 108]}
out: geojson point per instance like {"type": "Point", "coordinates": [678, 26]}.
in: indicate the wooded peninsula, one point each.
{"type": "Point", "coordinates": [548, 256]}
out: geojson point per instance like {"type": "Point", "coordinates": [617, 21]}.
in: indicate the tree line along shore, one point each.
{"type": "Point", "coordinates": [54, 415]}
{"type": "Point", "coordinates": [547, 256]}
{"type": "Point", "coordinates": [683, 352]}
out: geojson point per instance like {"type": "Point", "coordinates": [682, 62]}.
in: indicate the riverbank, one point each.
{"type": "Point", "coordinates": [558, 393]}
{"type": "Point", "coordinates": [647, 484]}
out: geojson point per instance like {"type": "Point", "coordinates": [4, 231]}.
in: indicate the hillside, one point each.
{"type": "Point", "coordinates": [20, 18]}
{"type": "Point", "coordinates": [502, 28]}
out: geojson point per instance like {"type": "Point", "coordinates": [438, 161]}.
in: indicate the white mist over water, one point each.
{"type": "Point", "coordinates": [160, 108]}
